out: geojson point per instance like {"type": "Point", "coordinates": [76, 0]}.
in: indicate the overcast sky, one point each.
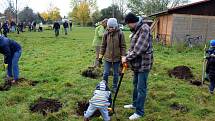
{"type": "Point", "coordinates": [64, 5]}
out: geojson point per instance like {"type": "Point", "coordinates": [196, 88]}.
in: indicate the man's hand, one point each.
{"type": "Point", "coordinates": [124, 59]}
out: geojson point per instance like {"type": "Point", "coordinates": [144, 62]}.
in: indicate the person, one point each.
{"type": "Point", "coordinates": [0, 28]}
{"type": "Point", "coordinates": [12, 52]}
{"type": "Point", "coordinates": [101, 100]}
{"type": "Point", "coordinates": [29, 26]}
{"type": "Point", "coordinates": [210, 66]}
{"type": "Point", "coordinates": [40, 27]}
{"type": "Point", "coordinates": [5, 28]}
{"type": "Point", "coordinates": [13, 26]}
{"type": "Point", "coordinates": [34, 26]}
{"type": "Point", "coordinates": [66, 26]}
{"type": "Point", "coordinates": [140, 58]}
{"type": "Point", "coordinates": [56, 28]}
{"type": "Point", "coordinates": [70, 25]}
{"type": "Point", "coordinates": [99, 32]}
{"type": "Point", "coordinates": [20, 27]}
{"type": "Point", "coordinates": [112, 49]}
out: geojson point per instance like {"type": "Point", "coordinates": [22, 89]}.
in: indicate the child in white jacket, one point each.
{"type": "Point", "coordinates": [100, 101]}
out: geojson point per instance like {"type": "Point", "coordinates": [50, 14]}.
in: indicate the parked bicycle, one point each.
{"type": "Point", "coordinates": [192, 41]}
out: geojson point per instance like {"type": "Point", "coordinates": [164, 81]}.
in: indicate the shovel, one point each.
{"type": "Point", "coordinates": [112, 109]}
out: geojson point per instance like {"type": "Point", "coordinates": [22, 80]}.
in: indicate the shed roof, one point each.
{"type": "Point", "coordinates": [175, 9]}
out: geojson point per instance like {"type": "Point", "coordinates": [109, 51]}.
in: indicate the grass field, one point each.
{"type": "Point", "coordinates": [61, 60]}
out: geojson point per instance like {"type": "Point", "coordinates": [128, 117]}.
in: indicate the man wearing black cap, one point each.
{"type": "Point", "coordinates": [140, 58]}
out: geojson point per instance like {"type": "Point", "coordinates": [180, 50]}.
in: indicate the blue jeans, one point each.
{"type": "Point", "coordinates": [212, 83]}
{"type": "Point", "coordinates": [57, 31]}
{"type": "Point", "coordinates": [13, 68]}
{"type": "Point", "coordinates": [140, 91]}
{"type": "Point", "coordinates": [103, 110]}
{"type": "Point", "coordinates": [66, 31]}
{"type": "Point", "coordinates": [107, 66]}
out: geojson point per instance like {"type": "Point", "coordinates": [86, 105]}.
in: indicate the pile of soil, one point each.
{"type": "Point", "coordinates": [179, 107]}
{"type": "Point", "coordinates": [82, 106]}
{"type": "Point", "coordinates": [196, 82]}
{"type": "Point", "coordinates": [181, 72]}
{"type": "Point", "coordinates": [45, 106]}
{"type": "Point", "coordinates": [91, 72]}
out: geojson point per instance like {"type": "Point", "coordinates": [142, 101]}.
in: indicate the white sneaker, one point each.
{"type": "Point", "coordinates": [129, 106]}
{"type": "Point", "coordinates": [134, 117]}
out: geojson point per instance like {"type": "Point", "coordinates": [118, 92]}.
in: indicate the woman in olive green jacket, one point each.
{"type": "Point", "coordinates": [113, 49]}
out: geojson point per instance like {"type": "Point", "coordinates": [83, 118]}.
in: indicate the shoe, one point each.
{"type": "Point", "coordinates": [129, 106]}
{"type": "Point", "coordinates": [212, 92]}
{"type": "Point", "coordinates": [134, 117]}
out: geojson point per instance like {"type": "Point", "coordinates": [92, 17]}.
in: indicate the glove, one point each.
{"type": "Point", "coordinates": [100, 56]}
{"type": "Point", "coordinates": [5, 66]}
{"type": "Point", "coordinates": [100, 59]}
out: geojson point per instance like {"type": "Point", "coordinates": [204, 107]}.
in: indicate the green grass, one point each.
{"type": "Point", "coordinates": [60, 61]}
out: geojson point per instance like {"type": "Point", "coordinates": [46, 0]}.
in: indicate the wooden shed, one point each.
{"type": "Point", "coordinates": [194, 21]}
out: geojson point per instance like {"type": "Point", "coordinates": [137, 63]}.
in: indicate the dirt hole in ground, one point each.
{"type": "Point", "coordinates": [196, 82]}
{"type": "Point", "coordinates": [22, 81]}
{"type": "Point", "coordinates": [45, 106]}
{"type": "Point", "coordinates": [82, 106]}
{"type": "Point", "coordinates": [181, 72]}
{"type": "Point", "coordinates": [30, 82]}
{"type": "Point", "coordinates": [91, 72]}
{"type": "Point", "coordinates": [6, 85]}
{"type": "Point", "coordinates": [179, 107]}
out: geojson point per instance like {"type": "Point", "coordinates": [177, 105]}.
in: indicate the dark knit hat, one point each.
{"type": "Point", "coordinates": [131, 18]}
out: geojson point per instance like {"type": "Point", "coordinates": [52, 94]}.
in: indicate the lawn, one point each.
{"type": "Point", "coordinates": [61, 60]}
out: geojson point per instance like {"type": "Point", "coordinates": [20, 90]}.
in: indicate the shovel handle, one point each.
{"type": "Point", "coordinates": [124, 67]}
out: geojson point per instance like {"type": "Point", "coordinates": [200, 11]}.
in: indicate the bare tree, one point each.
{"type": "Point", "coordinates": [148, 7]}
{"type": "Point", "coordinates": [122, 4]}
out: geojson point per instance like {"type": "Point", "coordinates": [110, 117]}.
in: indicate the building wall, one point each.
{"type": "Point", "coordinates": [162, 29]}
{"type": "Point", "coordinates": [193, 26]}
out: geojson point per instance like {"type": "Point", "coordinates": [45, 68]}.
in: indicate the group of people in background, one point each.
{"type": "Point", "coordinates": [66, 25]}
{"type": "Point", "coordinates": [7, 27]}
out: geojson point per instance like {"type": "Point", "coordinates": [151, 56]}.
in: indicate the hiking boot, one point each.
{"type": "Point", "coordinates": [134, 117]}
{"type": "Point", "coordinates": [129, 106]}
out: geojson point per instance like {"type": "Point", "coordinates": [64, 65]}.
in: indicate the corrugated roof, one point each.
{"type": "Point", "coordinates": [179, 7]}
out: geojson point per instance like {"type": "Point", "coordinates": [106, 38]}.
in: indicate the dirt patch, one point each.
{"type": "Point", "coordinates": [196, 82]}
{"type": "Point", "coordinates": [45, 106]}
{"type": "Point", "coordinates": [6, 85]}
{"type": "Point", "coordinates": [21, 82]}
{"type": "Point", "coordinates": [29, 82]}
{"type": "Point", "coordinates": [179, 107]}
{"type": "Point", "coordinates": [68, 84]}
{"type": "Point", "coordinates": [181, 72]}
{"type": "Point", "coordinates": [82, 106]}
{"type": "Point", "coordinates": [91, 72]}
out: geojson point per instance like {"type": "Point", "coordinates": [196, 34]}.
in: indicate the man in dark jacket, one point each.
{"type": "Point", "coordinates": [140, 58]}
{"type": "Point", "coordinates": [5, 27]}
{"type": "Point", "coordinates": [65, 26]}
{"type": "Point", "coordinates": [12, 52]}
{"type": "Point", "coordinates": [0, 28]}
{"type": "Point", "coordinates": [56, 27]}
